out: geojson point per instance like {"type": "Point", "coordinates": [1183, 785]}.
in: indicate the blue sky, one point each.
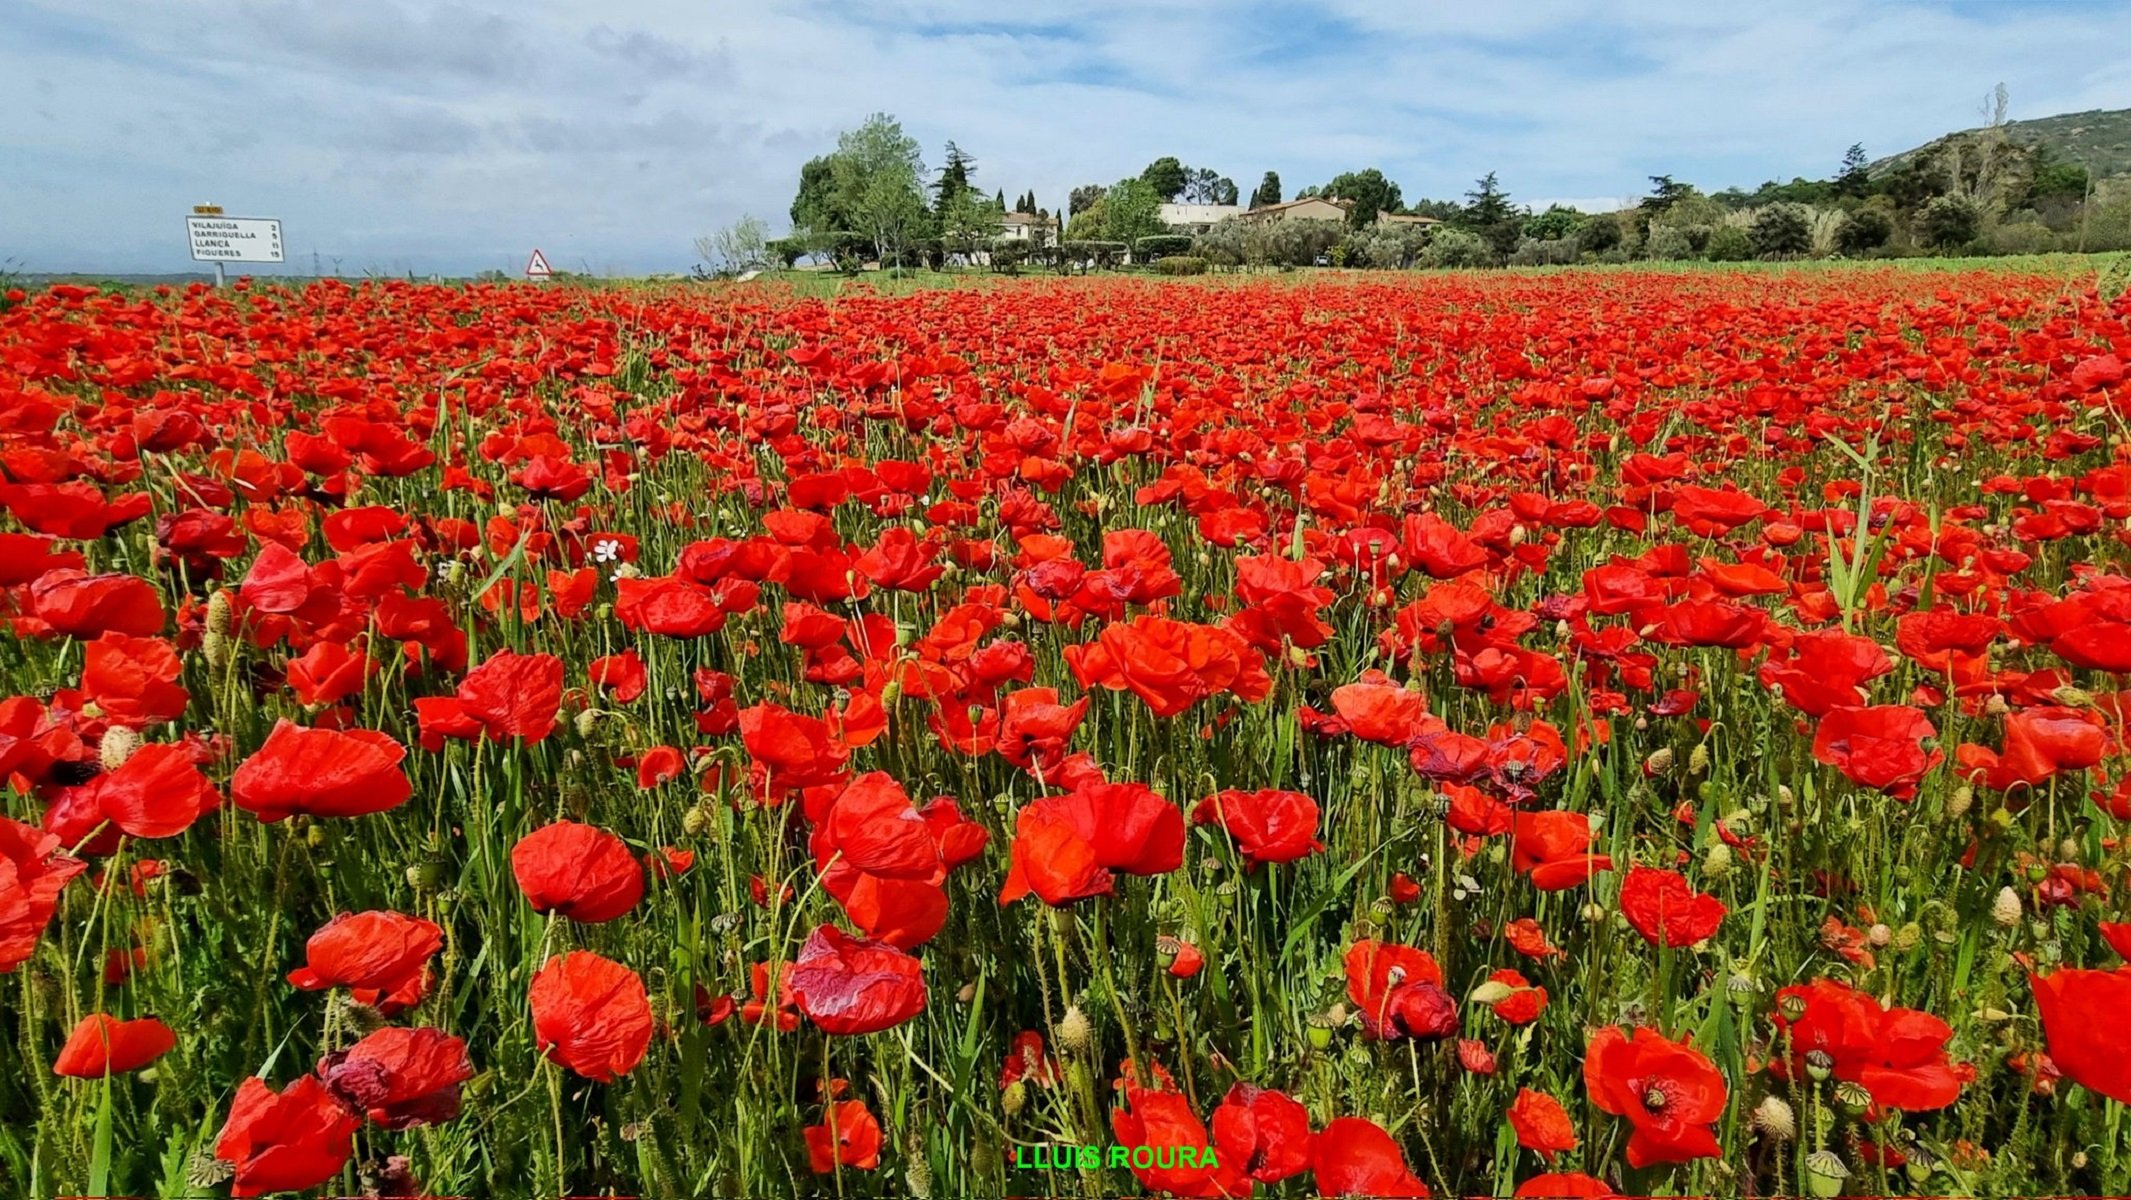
{"type": "Point", "coordinates": [391, 135]}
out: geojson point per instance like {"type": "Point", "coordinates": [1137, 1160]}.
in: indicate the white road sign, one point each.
{"type": "Point", "coordinates": [536, 267]}
{"type": "Point", "coordinates": [234, 239]}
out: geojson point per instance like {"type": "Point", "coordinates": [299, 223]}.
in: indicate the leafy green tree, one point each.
{"type": "Point", "coordinates": [1949, 222]}
{"type": "Point", "coordinates": [1852, 182]}
{"type": "Point", "coordinates": [1599, 234]}
{"type": "Point", "coordinates": [1555, 223]}
{"type": "Point", "coordinates": [1166, 176]}
{"type": "Point", "coordinates": [1082, 197]}
{"type": "Point", "coordinates": [1204, 185]}
{"type": "Point", "coordinates": [968, 222]}
{"type": "Point", "coordinates": [1666, 192]}
{"type": "Point", "coordinates": [1131, 210]}
{"type": "Point", "coordinates": [2055, 178]}
{"type": "Point", "coordinates": [1368, 191]}
{"type": "Point", "coordinates": [1781, 228]}
{"type": "Point", "coordinates": [815, 207]}
{"type": "Point", "coordinates": [1863, 231]}
{"type": "Point", "coordinates": [877, 170]}
{"type": "Point", "coordinates": [1729, 243]}
{"type": "Point", "coordinates": [1267, 191]}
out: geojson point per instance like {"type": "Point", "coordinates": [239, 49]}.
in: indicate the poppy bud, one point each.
{"type": "Point", "coordinates": [1015, 1098]}
{"type": "Point", "coordinates": [1075, 1034]}
{"type": "Point", "coordinates": [1879, 935]}
{"type": "Point", "coordinates": [1824, 1173]}
{"type": "Point", "coordinates": [919, 1178]}
{"type": "Point", "coordinates": [1698, 759]}
{"type": "Point", "coordinates": [1297, 657]}
{"type": "Point", "coordinates": [1819, 1064]}
{"type": "Point", "coordinates": [1908, 936]}
{"type": "Point", "coordinates": [1594, 912]}
{"type": "Point", "coordinates": [118, 745]}
{"type": "Point", "coordinates": [1717, 862]}
{"type": "Point", "coordinates": [695, 821]}
{"type": "Point", "coordinates": [1659, 762]}
{"type": "Point", "coordinates": [1957, 804]}
{"type": "Point", "coordinates": [2005, 910]}
{"type": "Point", "coordinates": [966, 993]}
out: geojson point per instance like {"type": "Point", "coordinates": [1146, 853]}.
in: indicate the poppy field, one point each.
{"type": "Point", "coordinates": [1538, 735]}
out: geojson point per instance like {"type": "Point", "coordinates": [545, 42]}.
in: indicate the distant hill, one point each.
{"type": "Point", "coordinates": [2099, 140]}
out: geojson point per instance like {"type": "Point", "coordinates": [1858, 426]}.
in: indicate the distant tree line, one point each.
{"type": "Point", "coordinates": [873, 200]}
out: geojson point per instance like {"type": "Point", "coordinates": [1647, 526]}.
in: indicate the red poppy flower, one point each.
{"type": "Point", "coordinates": [1377, 710]}
{"type": "Point", "coordinates": [1171, 665]}
{"type": "Point", "coordinates": [2039, 744]}
{"type": "Point", "coordinates": [848, 985]}
{"type": "Point", "coordinates": [133, 679]}
{"type": "Point", "coordinates": [622, 676]}
{"type": "Point", "coordinates": [1882, 747]}
{"type": "Point", "coordinates": [88, 606]}
{"type": "Point", "coordinates": [1355, 1157]}
{"type": "Point", "coordinates": [847, 1136]}
{"type": "Point", "coordinates": [580, 871]}
{"type": "Point", "coordinates": [321, 773]}
{"type": "Point", "coordinates": [591, 1014]}
{"type": "Point", "coordinates": [1269, 825]}
{"type": "Point", "coordinates": [1540, 1123]}
{"type": "Point", "coordinates": [2079, 1011]}
{"type": "Point", "coordinates": [102, 1044]}
{"type": "Point", "coordinates": [381, 956]}
{"type": "Point", "coordinates": [1553, 847]}
{"type": "Point", "coordinates": [1066, 848]}
{"type": "Point", "coordinates": [286, 1141]}
{"type": "Point", "coordinates": [1034, 728]}
{"type": "Point", "coordinates": [400, 1078]}
{"type": "Point", "coordinates": [1164, 1122]}
{"type": "Point", "coordinates": [1897, 1054]}
{"type": "Point", "coordinates": [1565, 1185]}
{"type": "Point", "coordinates": [1669, 1091]}
{"type": "Point", "coordinates": [789, 750]}
{"type": "Point", "coordinates": [1520, 1002]}
{"type": "Point", "coordinates": [1263, 1133]}
{"type": "Point", "coordinates": [1026, 1059]}
{"type": "Point", "coordinates": [514, 695]}
{"type": "Point", "coordinates": [1665, 908]}
{"type": "Point", "coordinates": [32, 874]}
{"type": "Point", "coordinates": [1399, 991]}
{"type": "Point", "coordinates": [156, 793]}
{"type": "Point", "coordinates": [1527, 938]}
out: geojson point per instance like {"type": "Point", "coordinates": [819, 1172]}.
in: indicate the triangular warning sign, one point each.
{"type": "Point", "coordinates": [537, 267]}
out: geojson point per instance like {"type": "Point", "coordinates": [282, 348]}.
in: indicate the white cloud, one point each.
{"type": "Point", "coordinates": [451, 136]}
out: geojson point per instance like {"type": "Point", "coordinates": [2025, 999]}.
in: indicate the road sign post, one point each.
{"type": "Point", "coordinates": [217, 239]}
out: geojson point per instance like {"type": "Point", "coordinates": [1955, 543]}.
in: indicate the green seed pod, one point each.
{"type": "Point", "coordinates": [1819, 1064]}
{"type": "Point", "coordinates": [1853, 1097]}
{"type": "Point", "coordinates": [1824, 1174]}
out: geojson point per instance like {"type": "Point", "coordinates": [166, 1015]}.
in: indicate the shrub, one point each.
{"type": "Point", "coordinates": [1387, 248]}
{"type": "Point", "coordinates": [1668, 243]}
{"type": "Point", "coordinates": [1180, 264]}
{"type": "Point", "coordinates": [1599, 234]}
{"type": "Point", "coordinates": [1161, 245]}
{"type": "Point", "coordinates": [1007, 255]}
{"type": "Point", "coordinates": [1781, 228]}
{"type": "Point", "coordinates": [1546, 252]}
{"type": "Point", "coordinates": [1457, 248]}
{"type": "Point", "coordinates": [1092, 253]}
{"type": "Point", "coordinates": [1863, 231]}
{"type": "Point", "coordinates": [1948, 222]}
{"type": "Point", "coordinates": [2022, 237]}
{"type": "Point", "coordinates": [1729, 243]}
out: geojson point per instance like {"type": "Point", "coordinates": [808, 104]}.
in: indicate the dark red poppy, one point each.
{"type": "Point", "coordinates": [580, 871]}
{"type": "Point", "coordinates": [1669, 1091]}
{"type": "Point", "coordinates": [103, 1044]}
{"type": "Point", "coordinates": [621, 676]}
{"type": "Point", "coordinates": [321, 773]}
{"type": "Point", "coordinates": [848, 985]}
{"type": "Point", "coordinates": [400, 1078]}
{"type": "Point", "coordinates": [1399, 991]}
{"type": "Point", "coordinates": [285, 1141]}
{"type": "Point", "coordinates": [591, 1014]}
{"type": "Point", "coordinates": [514, 695]}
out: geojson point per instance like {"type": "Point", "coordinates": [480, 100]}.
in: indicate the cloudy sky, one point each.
{"type": "Point", "coordinates": [391, 135]}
